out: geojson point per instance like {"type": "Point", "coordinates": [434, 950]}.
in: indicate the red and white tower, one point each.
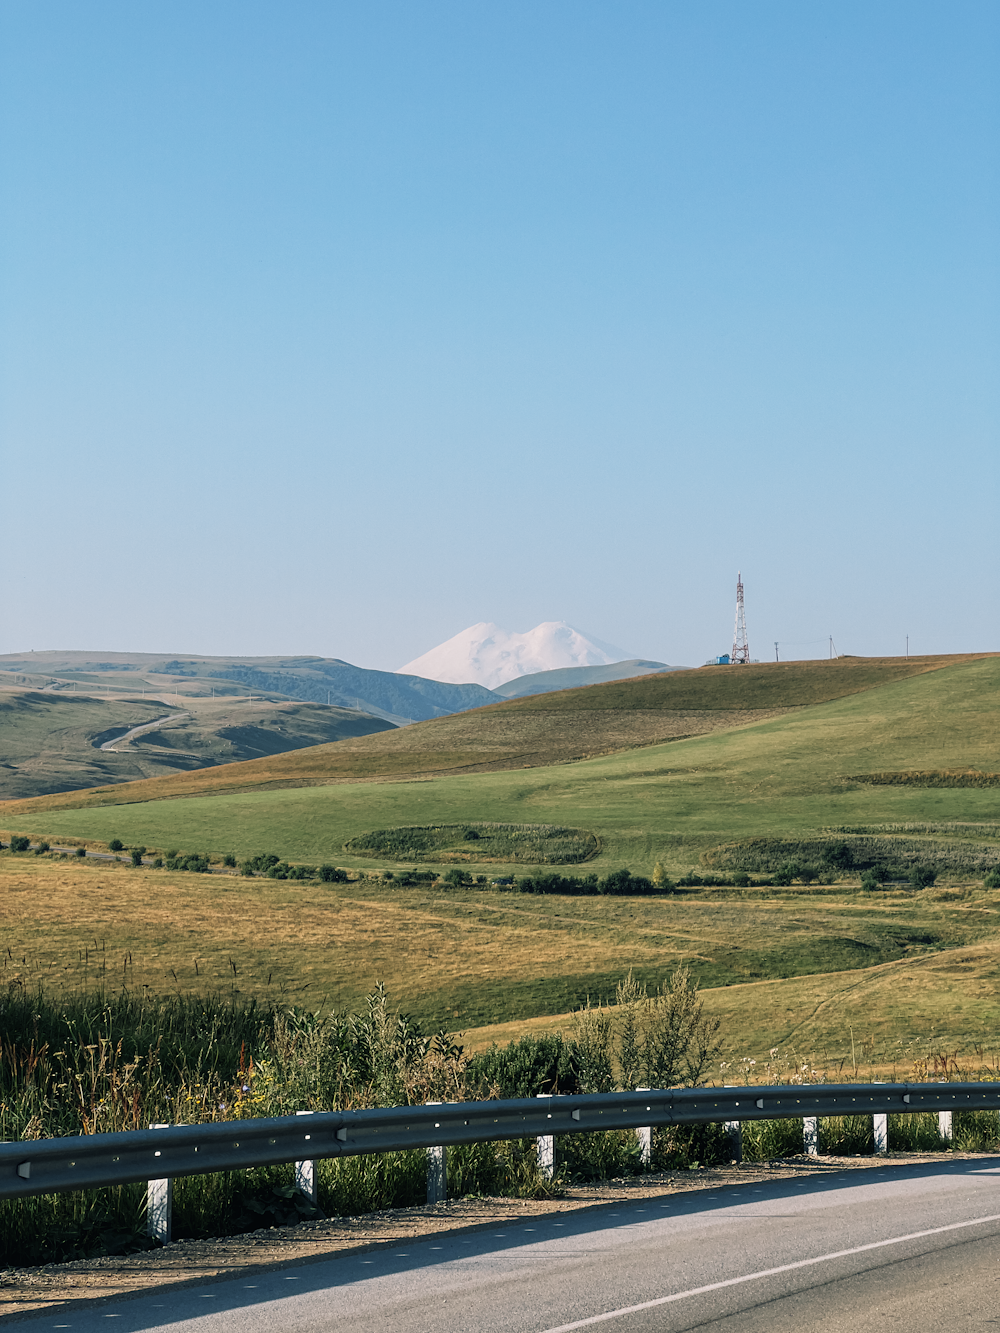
{"type": "Point", "coordinates": [741, 649]}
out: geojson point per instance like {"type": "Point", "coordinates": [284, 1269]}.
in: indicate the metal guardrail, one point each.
{"type": "Point", "coordinates": [47, 1166]}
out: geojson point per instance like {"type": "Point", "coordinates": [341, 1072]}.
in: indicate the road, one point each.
{"type": "Point", "coordinates": [900, 1246]}
{"type": "Point", "coordinates": [141, 730]}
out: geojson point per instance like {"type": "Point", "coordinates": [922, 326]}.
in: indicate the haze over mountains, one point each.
{"type": "Point", "coordinates": [385, 694]}
{"type": "Point", "coordinates": [487, 655]}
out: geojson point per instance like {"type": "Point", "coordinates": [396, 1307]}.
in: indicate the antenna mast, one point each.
{"type": "Point", "coordinates": [741, 649]}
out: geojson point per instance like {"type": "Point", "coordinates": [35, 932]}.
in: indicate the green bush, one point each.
{"type": "Point", "coordinates": [137, 854]}
{"type": "Point", "coordinates": [19, 843]}
{"type": "Point", "coordinates": [198, 865]}
{"type": "Point", "coordinates": [229, 860]}
{"type": "Point", "coordinates": [116, 845]}
{"type": "Point", "coordinates": [992, 880]}
{"type": "Point", "coordinates": [525, 1068]}
{"type": "Point", "coordinates": [81, 851]}
{"type": "Point", "coordinates": [331, 875]}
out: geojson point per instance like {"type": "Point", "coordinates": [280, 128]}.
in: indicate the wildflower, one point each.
{"type": "Point", "coordinates": [774, 1051]}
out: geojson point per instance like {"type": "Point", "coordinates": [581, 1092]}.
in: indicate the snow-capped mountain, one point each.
{"type": "Point", "coordinates": [487, 655]}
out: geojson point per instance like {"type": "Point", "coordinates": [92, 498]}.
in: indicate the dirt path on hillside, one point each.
{"type": "Point", "coordinates": [88, 1282]}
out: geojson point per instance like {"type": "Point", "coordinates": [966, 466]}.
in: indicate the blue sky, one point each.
{"type": "Point", "coordinates": [334, 328]}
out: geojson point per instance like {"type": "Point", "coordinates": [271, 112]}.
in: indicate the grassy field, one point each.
{"type": "Point", "coordinates": [49, 742]}
{"type": "Point", "coordinates": [790, 775]}
{"type": "Point", "coordinates": [798, 966]}
{"type": "Point", "coordinates": [781, 967]}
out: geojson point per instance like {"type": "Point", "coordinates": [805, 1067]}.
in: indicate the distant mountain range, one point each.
{"type": "Point", "coordinates": [385, 694]}
{"type": "Point", "coordinates": [398, 697]}
{"type": "Point", "coordinates": [487, 655]}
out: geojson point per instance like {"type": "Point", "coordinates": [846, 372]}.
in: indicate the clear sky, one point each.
{"type": "Point", "coordinates": [334, 328]}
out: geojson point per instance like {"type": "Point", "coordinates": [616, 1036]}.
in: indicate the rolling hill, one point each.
{"type": "Point", "coordinates": [675, 784]}
{"type": "Point", "coordinates": [898, 755]}
{"type": "Point", "coordinates": [386, 694]}
{"type": "Point", "coordinates": [52, 742]}
{"type": "Point", "coordinates": [571, 678]}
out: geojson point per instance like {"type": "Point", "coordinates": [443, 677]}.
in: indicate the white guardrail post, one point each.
{"type": "Point", "coordinates": [644, 1133]}
{"type": "Point", "coordinates": [733, 1130]}
{"type": "Point", "coordinates": [546, 1147]}
{"type": "Point", "coordinates": [159, 1205]}
{"type": "Point", "coordinates": [945, 1124]}
{"type": "Point", "coordinates": [437, 1169]}
{"type": "Point", "coordinates": [305, 1172]}
{"type": "Point", "coordinates": [880, 1126]}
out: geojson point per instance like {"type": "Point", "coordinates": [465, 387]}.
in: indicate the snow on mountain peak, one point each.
{"type": "Point", "coordinates": [485, 654]}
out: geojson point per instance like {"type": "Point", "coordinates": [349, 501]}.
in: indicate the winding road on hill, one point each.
{"type": "Point", "coordinates": [900, 1245]}
{"type": "Point", "coordinates": [141, 730]}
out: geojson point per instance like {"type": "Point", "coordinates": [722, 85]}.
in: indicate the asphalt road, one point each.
{"type": "Point", "coordinates": [141, 730]}
{"type": "Point", "coordinates": [914, 1247]}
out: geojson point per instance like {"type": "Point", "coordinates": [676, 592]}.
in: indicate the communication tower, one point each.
{"type": "Point", "coordinates": [741, 649]}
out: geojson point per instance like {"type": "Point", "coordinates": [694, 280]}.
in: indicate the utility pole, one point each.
{"type": "Point", "coordinates": [776, 650]}
{"type": "Point", "coordinates": [907, 645]}
{"type": "Point", "coordinates": [741, 649]}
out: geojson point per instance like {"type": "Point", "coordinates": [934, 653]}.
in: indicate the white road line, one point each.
{"type": "Point", "coordinates": [766, 1272]}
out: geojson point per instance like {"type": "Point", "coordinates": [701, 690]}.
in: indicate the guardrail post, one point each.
{"type": "Point", "coordinates": [733, 1130]}
{"type": "Point", "coordinates": [644, 1133]}
{"type": "Point", "coordinates": [437, 1170]}
{"type": "Point", "coordinates": [880, 1126]}
{"type": "Point", "coordinates": [945, 1123]}
{"type": "Point", "coordinates": [159, 1206]}
{"type": "Point", "coordinates": [810, 1135]}
{"type": "Point", "coordinates": [305, 1173]}
{"type": "Point", "coordinates": [546, 1148]}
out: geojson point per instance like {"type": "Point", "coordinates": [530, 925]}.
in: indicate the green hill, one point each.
{"type": "Point", "coordinates": [794, 774]}
{"type": "Point", "coordinates": [51, 742]}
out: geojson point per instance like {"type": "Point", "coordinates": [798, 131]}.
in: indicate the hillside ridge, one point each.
{"type": "Point", "coordinates": [537, 730]}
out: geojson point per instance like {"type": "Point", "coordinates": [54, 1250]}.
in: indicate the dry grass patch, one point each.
{"type": "Point", "coordinates": [464, 958]}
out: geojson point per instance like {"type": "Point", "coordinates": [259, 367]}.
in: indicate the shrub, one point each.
{"type": "Point", "coordinates": [259, 865]}
{"type": "Point", "coordinates": [116, 845]}
{"type": "Point", "coordinates": [331, 875]}
{"type": "Point", "coordinates": [622, 883]}
{"type": "Point", "coordinates": [19, 843]}
{"type": "Point", "coordinates": [229, 860]}
{"type": "Point", "coordinates": [653, 1041]}
{"type": "Point", "coordinates": [81, 851]}
{"type": "Point", "coordinates": [992, 880]}
{"type": "Point", "coordinates": [42, 848]}
{"type": "Point", "coordinates": [922, 877]}
{"type": "Point", "coordinates": [198, 865]}
{"type": "Point", "coordinates": [524, 1068]}
{"type": "Point", "coordinates": [137, 854]}
{"type": "Point", "coordinates": [158, 863]}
